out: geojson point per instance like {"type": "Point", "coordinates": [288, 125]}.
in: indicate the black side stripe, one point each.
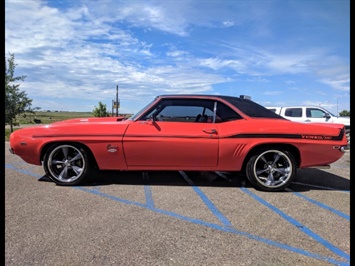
{"type": "Point", "coordinates": [289, 136]}
{"type": "Point", "coordinates": [270, 136]}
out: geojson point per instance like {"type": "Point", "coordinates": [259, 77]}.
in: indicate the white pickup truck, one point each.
{"type": "Point", "coordinates": [311, 114]}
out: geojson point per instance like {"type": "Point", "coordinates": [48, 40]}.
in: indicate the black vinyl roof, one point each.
{"type": "Point", "coordinates": [248, 107]}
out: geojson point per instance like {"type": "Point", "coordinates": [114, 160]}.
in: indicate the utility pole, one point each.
{"type": "Point", "coordinates": [115, 104]}
{"type": "Point", "coordinates": [116, 100]}
{"type": "Point", "coordinates": [337, 107]}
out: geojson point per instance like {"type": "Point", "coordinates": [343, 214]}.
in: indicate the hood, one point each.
{"type": "Point", "coordinates": [77, 127]}
{"type": "Point", "coordinates": [342, 120]}
{"type": "Point", "coordinates": [90, 120]}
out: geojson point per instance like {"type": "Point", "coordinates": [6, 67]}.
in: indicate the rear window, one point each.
{"type": "Point", "coordinates": [250, 108]}
{"type": "Point", "coordinates": [293, 112]}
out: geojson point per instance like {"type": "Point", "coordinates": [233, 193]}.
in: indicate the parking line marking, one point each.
{"type": "Point", "coordinates": [207, 201]}
{"type": "Point", "coordinates": [149, 196]}
{"type": "Point", "coordinates": [321, 205]}
{"type": "Point", "coordinates": [219, 228]}
{"type": "Point", "coordinates": [300, 226]}
{"type": "Point", "coordinates": [199, 222]}
{"type": "Point", "coordinates": [10, 166]}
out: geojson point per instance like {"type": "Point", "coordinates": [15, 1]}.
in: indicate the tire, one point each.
{"type": "Point", "coordinates": [348, 136]}
{"type": "Point", "coordinates": [271, 169]}
{"type": "Point", "coordinates": [66, 164]}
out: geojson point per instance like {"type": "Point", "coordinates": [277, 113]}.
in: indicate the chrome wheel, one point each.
{"type": "Point", "coordinates": [348, 137]}
{"type": "Point", "coordinates": [66, 164]}
{"type": "Point", "coordinates": [271, 169]}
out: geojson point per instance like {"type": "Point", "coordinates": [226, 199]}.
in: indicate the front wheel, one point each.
{"type": "Point", "coordinates": [271, 169]}
{"type": "Point", "coordinates": [66, 164]}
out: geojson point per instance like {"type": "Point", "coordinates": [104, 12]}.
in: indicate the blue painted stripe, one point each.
{"type": "Point", "coordinates": [10, 166]}
{"type": "Point", "coordinates": [99, 193]}
{"type": "Point", "coordinates": [200, 222]}
{"type": "Point", "coordinates": [207, 201]}
{"type": "Point", "coordinates": [149, 196]}
{"type": "Point", "coordinates": [321, 205]}
{"type": "Point", "coordinates": [300, 226]}
{"type": "Point", "coordinates": [218, 227]}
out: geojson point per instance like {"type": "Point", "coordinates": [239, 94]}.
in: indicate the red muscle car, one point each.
{"type": "Point", "coordinates": [184, 132]}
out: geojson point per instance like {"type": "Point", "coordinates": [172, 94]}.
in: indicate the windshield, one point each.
{"type": "Point", "coordinates": [329, 112]}
{"type": "Point", "coordinates": [141, 111]}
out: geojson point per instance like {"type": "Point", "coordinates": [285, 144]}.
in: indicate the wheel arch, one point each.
{"type": "Point", "coordinates": [283, 146]}
{"type": "Point", "coordinates": [47, 146]}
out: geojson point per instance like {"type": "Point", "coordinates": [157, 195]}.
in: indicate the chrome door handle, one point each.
{"type": "Point", "coordinates": [210, 131]}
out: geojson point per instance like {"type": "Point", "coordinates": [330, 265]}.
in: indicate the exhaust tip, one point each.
{"type": "Point", "coordinates": [344, 148]}
{"type": "Point", "coordinates": [341, 148]}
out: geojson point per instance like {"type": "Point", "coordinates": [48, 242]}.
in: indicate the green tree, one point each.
{"type": "Point", "coordinates": [16, 101]}
{"type": "Point", "coordinates": [344, 113]}
{"type": "Point", "coordinates": [100, 111]}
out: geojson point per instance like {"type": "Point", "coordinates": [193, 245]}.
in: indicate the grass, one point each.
{"type": "Point", "coordinates": [50, 117]}
{"type": "Point", "coordinates": [46, 118]}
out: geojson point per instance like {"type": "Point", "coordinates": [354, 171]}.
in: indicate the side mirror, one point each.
{"type": "Point", "coordinates": [326, 115]}
{"type": "Point", "coordinates": [151, 120]}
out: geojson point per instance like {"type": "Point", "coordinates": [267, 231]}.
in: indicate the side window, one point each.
{"type": "Point", "coordinates": [225, 113]}
{"type": "Point", "coordinates": [181, 110]}
{"type": "Point", "coordinates": [315, 113]}
{"type": "Point", "coordinates": [293, 112]}
{"type": "Point", "coordinates": [180, 114]}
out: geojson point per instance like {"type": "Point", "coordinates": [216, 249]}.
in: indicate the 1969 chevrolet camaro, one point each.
{"type": "Point", "coordinates": [184, 132]}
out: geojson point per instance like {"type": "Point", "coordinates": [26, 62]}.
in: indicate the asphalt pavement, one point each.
{"type": "Point", "coordinates": [176, 218]}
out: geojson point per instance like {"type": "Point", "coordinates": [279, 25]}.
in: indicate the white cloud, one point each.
{"type": "Point", "coordinates": [228, 23]}
{"type": "Point", "coordinates": [80, 49]}
{"type": "Point", "coordinates": [341, 82]}
{"type": "Point", "coordinates": [217, 63]}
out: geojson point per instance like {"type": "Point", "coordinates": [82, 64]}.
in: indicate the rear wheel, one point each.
{"type": "Point", "coordinates": [66, 164]}
{"type": "Point", "coordinates": [348, 136]}
{"type": "Point", "coordinates": [271, 169]}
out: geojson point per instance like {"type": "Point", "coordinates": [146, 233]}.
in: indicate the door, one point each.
{"type": "Point", "coordinates": [294, 114]}
{"type": "Point", "coordinates": [317, 115]}
{"type": "Point", "coordinates": [173, 134]}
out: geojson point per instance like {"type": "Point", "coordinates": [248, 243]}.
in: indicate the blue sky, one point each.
{"type": "Point", "coordinates": [279, 52]}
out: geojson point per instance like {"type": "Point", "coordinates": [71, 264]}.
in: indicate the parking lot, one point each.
{"type": "Point", "coordinates": [176, 218]}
